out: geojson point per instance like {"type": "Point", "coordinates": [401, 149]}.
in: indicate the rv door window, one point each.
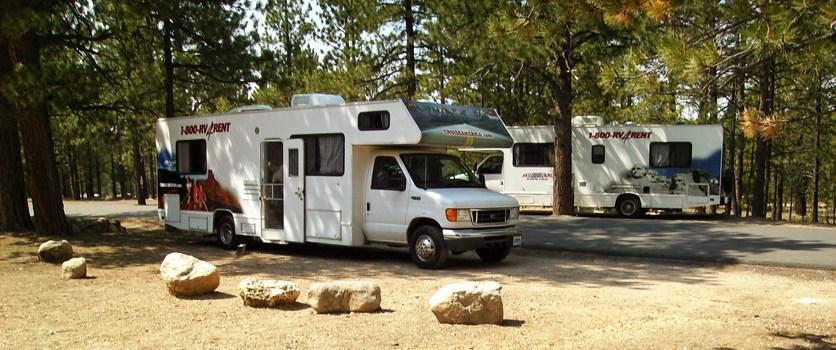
{"type": "Point", "coordinates": [377, 120]}
{"type": "Point", "coordinates": [670, 155]}
{"type": "Point", "coordinates": [492, 165]}
{"type": "Point", "coordinates": [191, 157]}
{"type": "Point", "coordinates": [534, 155]}
{"type": "Point", "coordinates": [598, 154]}
{"type": "Point", "coordinates": [387, 175]}
{"type": "Point", "coordinates": [324, 154]}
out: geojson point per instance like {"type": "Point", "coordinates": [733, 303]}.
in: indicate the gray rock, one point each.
{"type": "Point", "coordinates": [344, 296]}
{"type": "Point", "coordinates": [468, 303]}
{"type": "Point", "coordinates": [186, 275]}
{"type": "Point", "coordinates": [74, 268]}
{"type": "Point", "coordinates": [55, 251]}
{"type": "Point", "coordinates": [267, 293]}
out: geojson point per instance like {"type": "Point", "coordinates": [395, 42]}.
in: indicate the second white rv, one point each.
{"type": "Point", "coordinates": [338, 173]}
{"type": "Point", "coordinates": [628, 168]}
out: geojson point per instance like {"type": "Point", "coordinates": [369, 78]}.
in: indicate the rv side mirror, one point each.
{"type": "Point", "coordinates": [482, 179]}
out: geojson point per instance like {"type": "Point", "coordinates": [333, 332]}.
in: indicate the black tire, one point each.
{"type": "Point", "coordinates": [427, 247]}
{"type": "Point", "coordinates": [629, 206]}
{"type": "Point", "coordinates": [225, 230]}
{"type": "Point", "coordinates": [493, 254]}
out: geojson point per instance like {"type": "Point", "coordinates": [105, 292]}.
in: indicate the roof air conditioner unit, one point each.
{"type": "Point", "coordinates": [316, 100]}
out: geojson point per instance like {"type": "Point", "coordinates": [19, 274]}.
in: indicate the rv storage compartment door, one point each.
{"type": "Point", "coordinates": [172, 207]}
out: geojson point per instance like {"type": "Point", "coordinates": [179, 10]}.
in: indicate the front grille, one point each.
{"type": "Point", "coordinates": [490, 216]}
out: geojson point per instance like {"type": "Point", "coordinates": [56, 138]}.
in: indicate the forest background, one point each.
{"type": "Point", "coordinates": [82, 82]}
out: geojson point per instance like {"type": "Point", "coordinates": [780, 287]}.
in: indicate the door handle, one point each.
{"type": "Point", "coordinates": [368, 206]}
{"type": "Point", "coordinates": [417, 198]}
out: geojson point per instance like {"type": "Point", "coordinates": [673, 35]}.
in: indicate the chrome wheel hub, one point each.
{"type": "Point", "coordinates": [424, 248]}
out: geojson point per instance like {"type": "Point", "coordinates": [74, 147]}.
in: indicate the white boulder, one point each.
{"type": "Point", "coordinates": [267, 293]}
{"type": "Point", "coordinates": [185, 275]}
{"type": "Point", "coordinates": [468, 303]}
{"type": "Point", "coordinates": [344, 296]}
{"type": "Point", "coordinates": [55, 251]}
{"type": "Point", "coordinates": [74, 268]}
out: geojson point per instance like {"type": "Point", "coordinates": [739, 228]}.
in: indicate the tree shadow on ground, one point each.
{"type": "Point", "coordinates": [813, 341]}
{"type": "Point", "coordinates": [668, 239]}
{"type": "Point", "coordinates": [147, 245]}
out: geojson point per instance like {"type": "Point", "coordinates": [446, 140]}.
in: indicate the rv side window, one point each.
{"type": "Point", "coordinates": [598, 154]}
{"type": "Point", "coordinates": [191, 157]}
{"type": "Point", "coordinates": [387, 175]}
{"type": "Point", "coordinates": [324, 154]}
{"type": "Point", "coordinates": [377, 120]}
{"type": "Point", "coordinates": [534, 154]}
{"type": "Point", "coordinates": [670, 155]}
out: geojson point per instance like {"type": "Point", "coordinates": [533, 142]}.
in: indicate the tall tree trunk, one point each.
{"type": "Point", "coordinates": [152, 177]}
{"type": "Point", "coordinates": [139, 170]}
{"type": "Point", "coordinates": [779, 194]}
{"type": "Point", "coordinates": [816, 153]}
{"type": "Point", "coordinates": [168, 67]}
{"type": "Point", "coordinates": [112, 174]}
{"type": "Point", "coordinates": [761, 146]}
{"type": "Point", "coordinates": [740, 103]}
{"type": "Point", "coordinates": [409, 24]}
{"type": "Point", "coordinates": [563, 197]}
{"type": "Point", "coordinates": [14, 209]}
{"type": "Point", "coordinates": [99, 176]}
{"type": "Point", "coordinates": [123, 181]}
{"type": "Point", "coordinates": [74, 178]}
{"type": "Point", "coordinates": [38, 145]}
{"type": "Point", "coordinates": [800, 197]}
{"type": "Point", "coordinates": [750, 189]}
{"type": "Point", "coordinates": [88, 172]}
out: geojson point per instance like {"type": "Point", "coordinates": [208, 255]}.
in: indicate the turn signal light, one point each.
{"type": "Point", "coordinates": [451, 214]}
{"type": "Point", "coordinates": [457, 215]}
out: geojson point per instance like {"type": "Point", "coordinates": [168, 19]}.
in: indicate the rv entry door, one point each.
{"type": "Point", "coordinates": [272, 190]}
{"type": "Point", "coordinates": [294, 191]}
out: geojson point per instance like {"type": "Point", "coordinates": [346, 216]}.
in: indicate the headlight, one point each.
{"type": "Point", "coordinates": [458, 215]}
{"type": "Point", "coordinates": [714, 181]}
{"type": "Point", "coordinates": [515, 214]}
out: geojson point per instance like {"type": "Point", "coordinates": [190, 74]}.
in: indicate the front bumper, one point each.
{"type": "Point", "coordinates": [469, 239]}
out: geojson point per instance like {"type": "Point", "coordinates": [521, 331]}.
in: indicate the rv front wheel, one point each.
{"type": "Point", "coordinates": [427, 247]}
{"type": "Point", "coordinates": [629, 206]}
{"type": "Point", "coordinates": [226, 233]}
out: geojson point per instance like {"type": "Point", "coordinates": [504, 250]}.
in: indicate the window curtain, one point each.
{"type": "Point", "coordinates": [331, 151]}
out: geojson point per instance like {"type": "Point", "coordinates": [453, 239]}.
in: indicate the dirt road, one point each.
{"type": "Point", "coordinates": [552, 300]}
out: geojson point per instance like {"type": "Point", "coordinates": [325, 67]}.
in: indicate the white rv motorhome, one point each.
{"type": "Point", "coordinates": [347, 174]}
{"type": "Point", "coordinates": [630, 168]}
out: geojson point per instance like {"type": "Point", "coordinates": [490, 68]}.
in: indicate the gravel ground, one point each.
{"type": "Point", "coordinates": [552, 300]}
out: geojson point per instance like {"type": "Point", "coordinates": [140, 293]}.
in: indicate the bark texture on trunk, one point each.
{"type": "Point", "coordinates": [14, 209]}
{"type": "Point", "coordinates": [563, 199]}
{"type": "Point", "coordinates": [168, 67]}
{"type": "Point", "coordinates": [761, 144]}
{"type": "Point", "coordinates": [409, 24]}
{"type": "Point", "coordinates": [139, 170]}
{"type": "Point", "coordinates": [38, 145]}
{"type": "Point", "coordinates": [816, 152]}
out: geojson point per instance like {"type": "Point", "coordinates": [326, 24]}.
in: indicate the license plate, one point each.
{"type": "Point", "coordinates": [517, 241]}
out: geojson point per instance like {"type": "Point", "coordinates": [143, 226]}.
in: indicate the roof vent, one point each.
{"type": "Point", "coordinates": [250, 108]}
{"type": "Point", "coordinates": [588, 120]}
{"type": "Point", "coordinates": [316, 100]}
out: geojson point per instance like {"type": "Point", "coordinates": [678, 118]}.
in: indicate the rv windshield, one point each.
{"type": "Point", "coordinates": [439, 171]}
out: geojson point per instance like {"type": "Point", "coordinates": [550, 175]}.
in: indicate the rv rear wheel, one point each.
{"type": "Point", "coordinates": [493, 254]}
{"type": "Point", "coordinates": [226, 233]}
{"type": "Point", "coordinates": [427, 247]}
{"type": "Point", "coordinates": [628, 206]}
